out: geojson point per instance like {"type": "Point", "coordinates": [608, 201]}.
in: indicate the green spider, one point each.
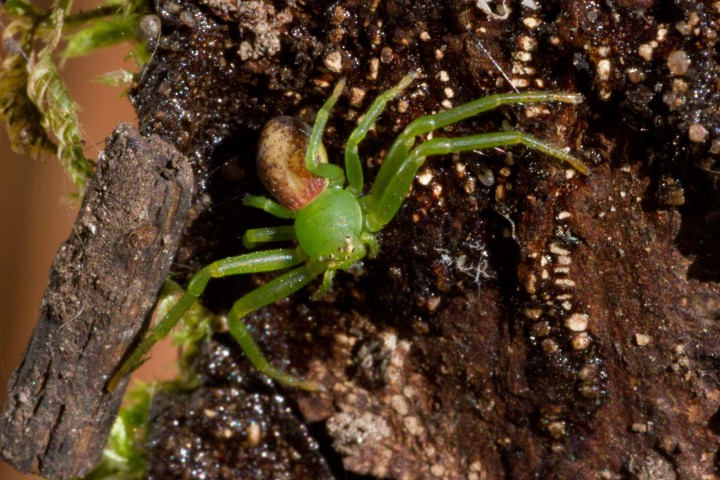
{"type": "Point", "coordinates": [334, 222]}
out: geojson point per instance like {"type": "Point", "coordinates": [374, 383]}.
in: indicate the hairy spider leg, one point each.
{"type": "Point", "coordinates": [267, 205]}
{"type": "Point", "coordinates": [353, 166]}
{"type": "Point", "coordinates": [400, 149]}
{"type": "Point", "coordinates": [265, 261]}
{"type": "Point", "coordinates": [333, 173]}
{"type": "Point", "coordinates": [271, 292]}
{"type": "Point", "coordinates": [390, 199]}
{"type": "Point", "coordinates": [325, 286]}
{"type": "Point", "coordinates": [256, 236]}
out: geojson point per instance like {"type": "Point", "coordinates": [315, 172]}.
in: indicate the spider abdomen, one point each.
{"type": "Point", "coordinates": [281, 163]}
{"type": "Point", "coordinates": [329, 228]}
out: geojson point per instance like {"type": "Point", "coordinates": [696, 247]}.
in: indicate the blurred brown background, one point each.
{"type": "Point", "coordinates": [36, 214]}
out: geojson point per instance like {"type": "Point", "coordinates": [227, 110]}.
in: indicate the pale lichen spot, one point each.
{"type": "Point", "coordinates": [581, 341]}
{"type": "Point", "coordinates": [564, 282]}
{"type": "Point", "coordinates": [577, 322]}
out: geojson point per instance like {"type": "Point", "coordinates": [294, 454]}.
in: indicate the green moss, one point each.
{"type": "Point", "coordinates": [124, 455]}
{"type": "Point", "coordinates": [35, 105]}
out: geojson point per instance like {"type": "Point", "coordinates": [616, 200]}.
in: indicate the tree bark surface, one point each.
{"type": "Point", "coordinates": [103, 284]}
{"type": "Point", "coordinates": [521, 320]}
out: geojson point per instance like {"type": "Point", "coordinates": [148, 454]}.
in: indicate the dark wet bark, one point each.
{"type": "Point", "coordinates": [103, 283]}
{"type": "Point", "coordinates": [521, 321]}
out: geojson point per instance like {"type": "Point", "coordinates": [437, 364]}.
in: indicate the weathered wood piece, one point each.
{"type": "Point", "coordinates": [103, 283]}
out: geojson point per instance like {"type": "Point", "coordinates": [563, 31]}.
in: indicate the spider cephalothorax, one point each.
{"type": "Point", "coordinates": [333, 223]}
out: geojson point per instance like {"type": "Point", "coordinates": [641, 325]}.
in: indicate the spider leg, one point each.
{"type": "Point", "coordinates": [272, 291]}
{"type": "Point", "coordinates": [255, 236]}
{"type": "Point", "coordinates": [401, 147]}
{"type": "Point", "coordinates": [264, 261]}
{"type": "Point", "coordinates": [372, 243]}
{"type": "Point", "coordinates": [353, 167]}
{"type": "Point", "coordinates": [325, 286]}
{"type": "Point", "coordinates": [387, 200]}
{"type": "Point", "coordinates": [327, 170]}
{"type": "Point", "coordinates": [267, 205]}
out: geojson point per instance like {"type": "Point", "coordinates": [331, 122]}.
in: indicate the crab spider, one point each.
{"type": "Point", "coordinates": [333, 221]}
